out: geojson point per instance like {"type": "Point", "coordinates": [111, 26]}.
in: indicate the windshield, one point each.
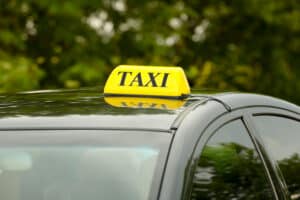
{"type": "Point", "coordinates": [114, 166]}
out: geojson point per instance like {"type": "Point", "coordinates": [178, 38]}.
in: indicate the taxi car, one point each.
{"type": "Point", "coordinates": [147, 137]}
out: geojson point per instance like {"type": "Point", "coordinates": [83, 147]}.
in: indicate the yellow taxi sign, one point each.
{"type": "Point", "coordinates": [150, 81]}
{"type": "Point", "coordinates": [139, 102]}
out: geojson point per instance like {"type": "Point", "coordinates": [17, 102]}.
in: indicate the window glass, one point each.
{"type": "Point", "coordinates": [230, 168]}
{"type": "Point", "coordinates": [89, 165]}
{"type": "Point", "coordinates": [282, 139]}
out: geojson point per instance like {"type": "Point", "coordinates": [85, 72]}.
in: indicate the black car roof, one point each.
{"type": "Point", "coordinates": [87, 109]}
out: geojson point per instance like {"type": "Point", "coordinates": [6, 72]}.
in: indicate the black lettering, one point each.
{"type": "Point", "coordinates": [137, 105]}
{"type": "Point", "coordinates": [122, 82]}
{"type": "Point", "coordinates": [140, 105]}
{"type": "Point", "coordinates": [137, 79]}
{"type": "Point", "coordinates": [152, 79]}
{"type": "Point", "coordinates": [153, 105]}
{"type": "Point", "coordinates": [124, 104]}
{"type": "Point", "coordinates": [165, 79]}
{"type": "Point", "coordinates": [164, 106]}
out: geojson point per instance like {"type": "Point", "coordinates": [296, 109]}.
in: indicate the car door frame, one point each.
{"type": "Point", "coordinates": [278, 112]}
{"type": "Point", "coordinates": [246, 115]}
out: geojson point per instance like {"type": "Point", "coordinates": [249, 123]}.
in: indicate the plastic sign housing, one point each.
{"type": "Point", "coordinates": [147, 103]}
{"type": "Point", "coordinates": [147, 81]}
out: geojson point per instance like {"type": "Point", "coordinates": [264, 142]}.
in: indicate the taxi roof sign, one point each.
{"type": "Point", "coordinates": [141, 102]}
{"type": "Point", "coordinates": [147, 81]}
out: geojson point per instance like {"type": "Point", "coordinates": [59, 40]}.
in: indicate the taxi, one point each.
{"type": "Point", "coordinates": [147, 136]}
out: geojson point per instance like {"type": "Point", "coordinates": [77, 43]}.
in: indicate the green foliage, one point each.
{"type": "Point", "coordinates": [18, 73]}
{"type": "Point", "coordinates": [250, 45]}
{"type": "Point", "coordinates": [77, 74]}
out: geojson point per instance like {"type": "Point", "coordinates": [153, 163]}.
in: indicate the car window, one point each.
{"type": "Point", "coordinates": [282, 139]}
{"type": "Point", "coordinates": [230, 168]}
{"type": "Point", "coordinates": [77, 165]}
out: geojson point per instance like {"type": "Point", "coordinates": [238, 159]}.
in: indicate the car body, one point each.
{"type": "Point", "coordinates": [44, 132]}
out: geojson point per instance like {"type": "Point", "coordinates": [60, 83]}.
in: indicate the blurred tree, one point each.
{"type": "Point", "coordinates": [249, 46]}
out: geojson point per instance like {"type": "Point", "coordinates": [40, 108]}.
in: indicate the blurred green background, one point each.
{"type": "Point", "coordinates": [251, 46]}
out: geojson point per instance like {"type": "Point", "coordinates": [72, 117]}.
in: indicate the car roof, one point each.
{"type": "Point", "coordinates": [87, 109]}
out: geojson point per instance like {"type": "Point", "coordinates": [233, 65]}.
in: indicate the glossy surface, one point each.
{"type": "Point", "coordinates": [230, 168]}
{"type": "Point", "coordinates": [78, 109]}
{"type": "Point", "coordinates": [147, 81]}
{"type": "Point", "coordinates": [198, 126]}
{"type": "Point", "coordinates": [87, 109]}
{"type": "Point", "coordinates": [189, 125]}
{"type": "Point", "coordinates": [81, 164]}
{"type": "Point", "coordinates": [240, 100]}
{"type": "Point", "coordinates": [278, 132]}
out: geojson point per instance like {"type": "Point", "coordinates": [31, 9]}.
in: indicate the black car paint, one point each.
{"type": "Point", "coordinates": [180, 163]}
{"type": "Point", "coordinates": [190, 125]}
